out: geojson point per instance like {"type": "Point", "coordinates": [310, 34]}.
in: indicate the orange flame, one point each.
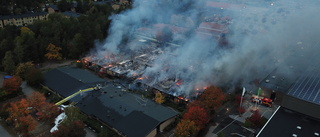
{"type": "Point", "coordinates": [179, 82]}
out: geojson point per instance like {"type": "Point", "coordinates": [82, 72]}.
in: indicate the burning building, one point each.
{"type": "Point", "coordinates": [190, 56]}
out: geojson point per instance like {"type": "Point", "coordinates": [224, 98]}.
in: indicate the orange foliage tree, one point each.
{"type": "Point", "coordinates": [159, 98]}
{"type": "Point", "coordinates": [210, 99]}
{"type": "Point", "coordinates": [19, 116]}
{"type": "Point", "coordinates": [18, 109]}
{"type": "Point", "coordinates": [53, 52]}
{"type": "Point", "coordinates": [186, 128]}
{"type": "Point", "coordinates": [23, 69]}
{"type": "Point", "coordinates": [46, 111]}
{"type": "Point", "coordinates": [26, 124]}
{"type": "Point", "coordinates": [12, 84]}
{"type": "Point", "coordinates": [198, 115]}
{"type": "Point", "coordinates": [36, 100]}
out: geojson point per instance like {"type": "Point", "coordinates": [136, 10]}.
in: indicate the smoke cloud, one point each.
{"type": "Point", "coordinates": [262, 36]}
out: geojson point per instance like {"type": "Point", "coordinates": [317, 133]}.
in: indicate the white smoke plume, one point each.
{"type": "Point", "coordinates": [263, 36]}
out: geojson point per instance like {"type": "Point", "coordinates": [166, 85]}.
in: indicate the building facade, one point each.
{"type": "Point", "coordinates": [22, 19]}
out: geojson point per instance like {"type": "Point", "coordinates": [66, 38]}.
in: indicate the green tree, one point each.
{"type": "Point", "coordinates": [73, 114]}
{"type": "Point", "coordinates": [63, 5]}
{"type": "Point", "coordinates": [4, 47]}
{"type": "Point", "coordinates": [76, 45]}
{"type": "Point", "coordinates": [34, 77]}
{"type": "Point", "coordinates": [24, 49]}
{"type": "Point", "coordinates": [8, 63]}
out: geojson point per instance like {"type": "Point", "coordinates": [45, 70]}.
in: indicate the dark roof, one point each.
{"type": "Point", "coordinates": [129, 113]}
{"type": "Point", "coordinates": [102, 2]}
{"type": "Point", "coordinates": [67, 80]}
{"type": "Point", "coordinates": [307, 87]}
{"type": "Point", "coordinates": [289, 70]}
{"type": "Point", "coordinates": [30, 14]}
{"type": "Point", "coordinates": [278, 81]}
{"type": "Point", "coordinates": [81, 75]}
{"type": "Point", "coordinates": [285, 123]}
{"type": "Point", "coordinates": [54, 7]}
{"type": "Point", "coordinates": [71, 14]}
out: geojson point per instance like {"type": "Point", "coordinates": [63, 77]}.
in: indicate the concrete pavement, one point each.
{"type": "Point", "coordinates": [90, 133]}
{"type": "Point", "coordinates": [227, 111]}
{"type": "Point", "coordinates": [4, 132]}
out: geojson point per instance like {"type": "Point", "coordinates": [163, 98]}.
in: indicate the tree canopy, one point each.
{"type": "Point", "coordinates": [186, 128]}
{"type": "Point", "coordinates": [12, 84]}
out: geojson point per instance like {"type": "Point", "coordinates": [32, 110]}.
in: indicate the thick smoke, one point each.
{"type": "Point", "coordinates": [263, 36]}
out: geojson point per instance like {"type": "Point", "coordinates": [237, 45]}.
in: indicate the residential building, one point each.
{"type": "Point", "coordinates": [22, 19]}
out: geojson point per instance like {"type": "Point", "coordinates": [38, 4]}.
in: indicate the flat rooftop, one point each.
{"type": "Point", "coordinates": [288, 123]}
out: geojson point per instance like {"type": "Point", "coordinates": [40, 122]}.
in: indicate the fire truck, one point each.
{"type": "Point", "coordinates": [261, 100]}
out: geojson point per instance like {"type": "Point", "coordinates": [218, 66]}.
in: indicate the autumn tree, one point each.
{"type": "Point", "coordinates": [18, 109]}
{"type": "Point", "coordinates": [186, 128]}
{"type": "Point", "coordinates": [45, 111]}
{"type": "Point", "coordinates": [255, 118]}
{"type": "Point", "coordinates": [12, 84]}
{"type": "Point", "coordinates": [19, 116]}
{"type": "Point", "coordinates": [23, 69]}
{"type": "Point", "coordinates": [241, 110]}
{"type": "Point", "coordinates": [75, 129]}
{"type": "Point", "coordinates": [159, 98]}
{"type": "Point", "coordinates": [72, 125]}
{"type": "Point", "coordinates": [210, 99]}
{"type": "Point", "coordinates": [48, 112]}
{"type": "Point", "coordinates": [25, 124]}
{"type": "Point", "coordinates": [36, 100]}
{"type": "Point", "coordinates": [8, 63]}
{"type": "Point", "coordinates": [53, 52]}
{"type": "Point", "coordinates": [198, 115]}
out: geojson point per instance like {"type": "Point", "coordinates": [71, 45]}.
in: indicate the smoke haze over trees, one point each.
{"type": "Point", "coordinates": [262, 35]}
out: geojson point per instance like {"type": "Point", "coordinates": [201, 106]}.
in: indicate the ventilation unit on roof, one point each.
{"type": "Point", "coordinates": [298, 127]}
{"type": "Point", "coordinates": [267, 80]}
{"type": "Point", "coordinates": [273, 77]}
{"type": "Point", "coordinates": [294, 135]}
{"type": "Point", "coordinates": [316, 134]}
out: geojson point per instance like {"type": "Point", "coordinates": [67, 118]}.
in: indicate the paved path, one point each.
{"type": "Point", "coordinates": [27, 90]}
{"type": "Point", "coordinates": [90, 133]}
{"type": "Point", "coordinates": [3, 132]}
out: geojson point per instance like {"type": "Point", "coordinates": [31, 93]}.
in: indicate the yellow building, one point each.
{"type": "Point", "coordinates": [22, 19]}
